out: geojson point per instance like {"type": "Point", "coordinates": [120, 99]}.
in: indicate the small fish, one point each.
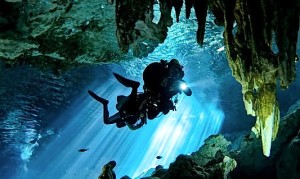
{"type": "Point", "coordinates": [158, 157]}
{"type": "Point", "coordinates": [83, 150]}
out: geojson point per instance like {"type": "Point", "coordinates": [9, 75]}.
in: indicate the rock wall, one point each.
{"type": "Point", "coordinates": [261, 49]}
{"type": "Point", "coordinates": [284, 158]}
{"type": "Point", "coordinates": [212, 160]}
{"type": "Point", "coordinates": [58, 34]}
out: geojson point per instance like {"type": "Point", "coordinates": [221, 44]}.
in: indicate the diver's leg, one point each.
{"type": "Point", "coordinates": [127, 82]}
{"type": "Point", "coordinates": [98, 98]}
{"type": "Point", "coordinates": [112, 119]}
{"type": "Point", "coordinates": [134, 91]}
{"type": "Point", "coordinates": [104, 102]}
{"type": "Point", "coordinates": [105, 113]}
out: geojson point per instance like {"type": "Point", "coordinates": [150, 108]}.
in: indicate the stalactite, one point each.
{"type": "Point", "coordinates": [251, 59]}
{"type": "Point", "coordinates": [129, 12]}
{"type": "Point", "coordinates": [248, 46]}
{"type": "Point", "coordinates": [177, 4]}
{"type": "Point", "coordinates": [200, 7]}
{"type": "Point", "coordinates": [135, 27]}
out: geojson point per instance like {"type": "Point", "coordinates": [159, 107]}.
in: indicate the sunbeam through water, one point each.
{"type": "Point", "coordinates": [179, 132]}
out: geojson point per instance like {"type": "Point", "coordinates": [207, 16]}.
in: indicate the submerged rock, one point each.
{"type": "Point", "coordinates": [289, 162]}
{"type": "Point", "coordinates": [58, 34]}
{"type": "Point", "coordinates": [283, 159]}
{"type": "Point", "coordinates": [210, 161]}
{"type": "Point", "coordinates": [219, 158]}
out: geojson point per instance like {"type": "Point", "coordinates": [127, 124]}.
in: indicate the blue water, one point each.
{"type": "Point", "coordinates": [46, 119]}
{"type": "Point", "coordinates": [182, 131]}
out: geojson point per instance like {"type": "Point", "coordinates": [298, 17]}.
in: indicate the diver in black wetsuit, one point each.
{"type": "Point", "coordinates": [159, 79]}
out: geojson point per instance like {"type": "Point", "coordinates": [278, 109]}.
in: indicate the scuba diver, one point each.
{"type": "Point", "coordinates": [162, 81]}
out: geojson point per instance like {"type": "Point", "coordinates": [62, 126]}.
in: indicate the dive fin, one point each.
{"type": "Point", "coordinates": [98, 98]}
{"type": "Point", "coordinates": [126, 82]}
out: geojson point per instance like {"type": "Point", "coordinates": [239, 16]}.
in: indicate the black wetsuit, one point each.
{"type": "Point", "coordinates": [158, 78]}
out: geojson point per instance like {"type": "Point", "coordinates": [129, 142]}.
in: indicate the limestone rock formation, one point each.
{"type": "Point", "coordinates": [289, 162]}
{"type": "Point", "coordinates": [135, 26]}
{"type": "Point", "coordinates": [12, 49]}
{"type": "Point", "coordinates": [58, 34]}
{"type": "Point", "coordinates": [13, 0]}
{"type": "Point", "coordinates": [210, 161]}
{"type": "Point", "coordinates": [256, 65]}
{"type": "Point", "coordinates": [136, 29]}
{"type": "Point", "coordinates": [282, 162]}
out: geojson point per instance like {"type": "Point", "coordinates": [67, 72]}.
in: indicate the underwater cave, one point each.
{"type": "Point", "coordinates": [240, 59]}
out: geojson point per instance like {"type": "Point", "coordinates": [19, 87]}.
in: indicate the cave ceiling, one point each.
{"type": "Point", "coordinates": [260, 38]}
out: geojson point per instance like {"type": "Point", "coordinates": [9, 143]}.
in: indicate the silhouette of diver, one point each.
{"type": "Point", "coordinates": [159, 79]}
